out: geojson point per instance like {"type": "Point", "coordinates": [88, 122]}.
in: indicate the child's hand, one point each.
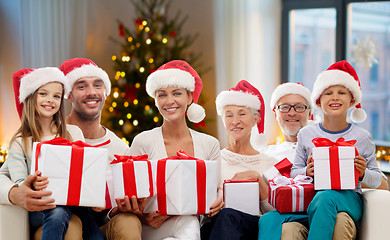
{"type": "Point", "coordinates": [98, 209]}
{"type": "Point", "coordinates": [310, 167]}
{"type": "Point", "coordinates": [360, 165]}
{"type": "Point", "coordinates": [40, 182]}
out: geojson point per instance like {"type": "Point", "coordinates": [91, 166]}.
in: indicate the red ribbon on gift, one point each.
{"type": "Point", "coordinates": [334, 161]}
{"type": "Point", "coordinates": [284, 167]}
{"type": "Point", "coordinates": [76, 165]}
{"type": "Point", "coordinates": [129, 173]}
{"type": "Point", "coordinates": [200, 182]}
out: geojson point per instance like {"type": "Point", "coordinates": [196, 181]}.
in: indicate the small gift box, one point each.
{"type": "Point", "coordinates": [76, 171]}
{"type": "Point", "coordinates": [132, 176]}
{"type": "Point", "coordinates": [334, 166]}
{"type": "Point", "coordinates": [291, 194]}
{"type": "Point", "coordinates": [282, 168]}
{"type": "Point", "coordinates": [242, 195]}
{"type": "Point", "coordinates": [184, 185]}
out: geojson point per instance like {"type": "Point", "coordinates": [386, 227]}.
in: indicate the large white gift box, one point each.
{"type": "Point", "coordinates": [334, 167]}
{"type": "Point", "coordinates": [132, 176]}
{"type": "Point", "coordinates": [76, 171]}
{"type": "Point", "coordinates": [184, 185]}
{"type": "Point", "coordinates": [242, 196]}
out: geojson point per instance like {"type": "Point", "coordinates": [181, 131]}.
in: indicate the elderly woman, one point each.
{"type": "Point", "coordinates": [241, 108]}
{"type": "Point", "coordinates": [174, 86]}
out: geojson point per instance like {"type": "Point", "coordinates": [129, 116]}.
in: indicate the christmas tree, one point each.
{"type": "Point", "coordinates": [153, 40]}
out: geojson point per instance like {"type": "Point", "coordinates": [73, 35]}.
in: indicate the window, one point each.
{"type": "Point", "coordinates": [317, 33]}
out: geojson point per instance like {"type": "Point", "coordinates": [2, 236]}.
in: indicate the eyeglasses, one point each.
{"type": "Point", "coordinates": [285, 108]}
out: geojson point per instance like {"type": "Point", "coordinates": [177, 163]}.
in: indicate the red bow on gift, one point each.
{"type": "Point", "coordinates": [334, 158]}
{"type": "Point", "coordinates": [324, 142]}
{"type": "Point", "coordinates": [76, 166]}
{"type": "Point", "coordinates": [121, 158]}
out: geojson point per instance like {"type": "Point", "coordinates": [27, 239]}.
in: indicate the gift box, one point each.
{"type": "Point", "coordinates": [291, 195]}
{"type": "Point", "coordinates": [334, 166]}
{"type": "Point", "coordinates": [242, 196]}
{"type": "Point", "coordinates": [132, 176]}
{"type": "Point", "coordinates": [184, 185]}
{"type": "Point", "coordinates": [76, 171]}
{"type": "Point", "coordinates": [282, 168]}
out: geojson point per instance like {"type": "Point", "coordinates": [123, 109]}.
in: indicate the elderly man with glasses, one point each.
{"type": "Point", "coordinates": [292, 106]}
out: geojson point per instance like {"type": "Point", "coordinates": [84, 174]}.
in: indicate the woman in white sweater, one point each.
{"type": "Point", "coordinates": [241, 108]}
{"type": "Point", "coordinates": [174, 86]}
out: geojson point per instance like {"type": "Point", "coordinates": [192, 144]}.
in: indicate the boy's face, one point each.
{"type": "Point", "coordinates": [336, 100]}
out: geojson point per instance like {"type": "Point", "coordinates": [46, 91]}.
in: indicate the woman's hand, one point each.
{"type": "Point", "coordinates": [40, 182]}
{"type": "Point", "coordinates": [216, 207]}
{"type": "Point", "coordinates": [153, 219]}
{"type": "Point", "coordinates": [246, 175]}
{"type": "Point", "coordinates": [310, 167]}
{"type": "Point", "coordinates": [360, 165]}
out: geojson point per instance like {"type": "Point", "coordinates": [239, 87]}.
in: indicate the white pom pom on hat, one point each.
{"type": "Point", "coordinates": [178, 73]}
{"type": "Point", "coordinates": [341, 73]}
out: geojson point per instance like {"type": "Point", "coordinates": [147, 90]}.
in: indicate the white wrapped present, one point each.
{"type": "Point", "coordinates": [242, 196]}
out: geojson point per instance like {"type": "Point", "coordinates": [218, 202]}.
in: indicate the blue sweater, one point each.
{"type": "Point", "coordinates": [364, 144]}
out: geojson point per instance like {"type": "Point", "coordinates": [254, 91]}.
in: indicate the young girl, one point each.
{"type": "Point", "coordinates": [335, 91]}
{"type": "Point", "coordinates": [171, 86]}
{"type": "Point", "coordinates": [39, 96]}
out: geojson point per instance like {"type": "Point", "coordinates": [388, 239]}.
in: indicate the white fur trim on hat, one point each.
{"type": "Point", "coordinates": [33, 80]}
{"type": "Point", "coordinates": [89, 70]}
{"type": "Point", "coordinates": [238, 98]}
{"type": "Point", "coordinates": [335, 77]}
{"type": "Point", "coordinates": [168, 78]}
{"type": "Point", "coordinates": [195, 113]}
{"type": "Point", "coordinates": [290, 88]}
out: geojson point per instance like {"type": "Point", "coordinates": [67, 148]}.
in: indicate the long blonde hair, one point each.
{"type": "Point", "coordinates": [30, 126]}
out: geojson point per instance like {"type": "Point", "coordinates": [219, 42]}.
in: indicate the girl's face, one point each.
{"type": "Point", "coordinates": [336, 100]}
{"type": "Point", "coordinates": [172, 102]}
{"type": "Point", "coordinates": [238, 121]}
{"type": "Point", "coordinates": [49, 99]}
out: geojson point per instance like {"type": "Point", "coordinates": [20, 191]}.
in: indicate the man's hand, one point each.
{"type": "Point", "coordinates": [216, 207]}
{"type": "Point", "coordinates": [310, 167]}
{"type": "Point", "coordinates": [29, 199]}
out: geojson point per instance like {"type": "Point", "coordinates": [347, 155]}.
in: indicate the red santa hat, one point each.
{"type": "Point", "coordinates": [290, 88]}
{"type": "Point", "coordinates": [341, 73]}
{"type": "Point", "coordinates": [27, 81]}
{"type": "Point", "coordinates": [76, 68]}
{"type": "Point", "coordinates": [178, 73]}
{"type": "Point", "coordinates": [244, 94]}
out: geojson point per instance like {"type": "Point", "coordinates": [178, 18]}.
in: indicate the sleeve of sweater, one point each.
{"type": "Point", "coordinates": [300, 161]}
{"type": "Point", "coordinates": [5, 184]}
{"type": "Point", "coordinates": [17, 161]}
{"type": "Point", "coordinates": [372, 175]}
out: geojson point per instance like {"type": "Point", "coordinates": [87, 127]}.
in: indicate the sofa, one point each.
{"type": "Point", "coordinates": [14, 219]}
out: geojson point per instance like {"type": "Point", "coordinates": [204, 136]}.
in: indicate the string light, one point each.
{"type": "Point", "coordinates": [116, 95]}
{"type": "Point", "coordinates": [3, 153]}
{"type": "Point", "coordinates": [141, 69]}
{"type": "Point", "coordinates": [147, 107]}
{"type": "Point", "coordinates": [129, 116]}
{"type": "Point", "coordinates": [137, 44]}
{"type": "Point", "coordinates": [151, 60]}
{"type": "Point", "coordinates": [135, 102]}
{"type": "Point", "coordinates": [123, 74]}
{"type": "Point", "coordinates": [129, 39]}
{"type": "Point", "coordinates": [113, 57]}
{"type": "Point", "coordinates": [135, 122]}
{"type": "Point", "coordinates": [114, 104]}
{"type": "Point", "coordinates": [126, 104]}
{"type": "Point", "coordinates": [125, 58]}
{"type": "Point", "coordinates": [125, 140]}
{"type": "Point", "coordinates": [164, 40]}
{"type": "Point", "coordinates": [148, 41]}
{"type": "Point", "coordinates": [111, 109]}
{"type": "Point", "coordinates": [144, 22]}
{"type": "Point", "coordinates": [147, 29]}
{"type": "Point", "coordinates": [121, 122]}
{"type": "Point", "coordinates": [137, 85]}
{"type": "Point", "coordinates": [155, 119]}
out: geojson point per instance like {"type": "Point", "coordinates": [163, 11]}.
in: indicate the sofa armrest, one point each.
{"type": "Point", "coordinates": [376, 211]}
{"type": "Point", "coordinates": [13, 223]}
